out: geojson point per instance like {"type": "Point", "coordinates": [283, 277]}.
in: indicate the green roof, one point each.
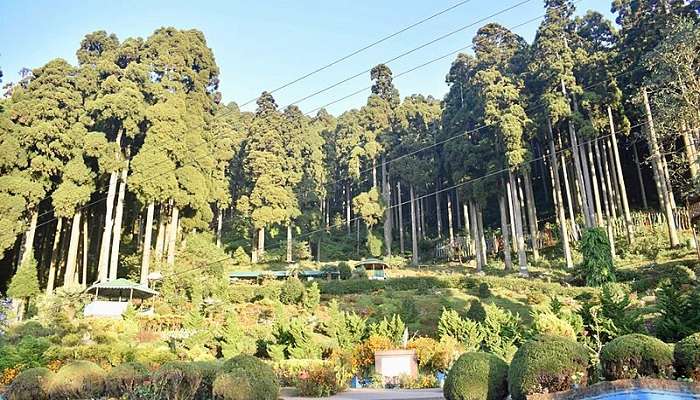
{"type": "Point", "coordinates": [121, 285]}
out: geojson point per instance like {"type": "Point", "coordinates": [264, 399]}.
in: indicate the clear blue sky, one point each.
{"type": "Point", "coordinates": [260, 45]}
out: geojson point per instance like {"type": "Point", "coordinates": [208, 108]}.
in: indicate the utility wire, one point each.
{"type": "Point", "coordinates": [428, 195]}
{"type": "Point", "coordinates": [360, 50]}
{"type": "Point", "coordinates": [89, 204]}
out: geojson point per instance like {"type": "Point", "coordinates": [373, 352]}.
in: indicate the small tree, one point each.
{"type": "Point", "coordinates": [24, 285]}
{"type": "Point", "coordinates": [598, 266]}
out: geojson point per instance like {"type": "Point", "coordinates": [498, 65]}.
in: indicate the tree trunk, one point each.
{"type": "Point", "coordinates": [347, 207]}
{"type": "Point", "coordinates": [609, 183]}
{"type": "Point", "coordinates": [172, 234]}
{"type": "Point", "coordinates": [621, 180]}
{"type": "Point", "coordinates": [482, 238]}
{"type": "Point", "coordinates": [690, 154]}
{"type": "Point", "coordinates": [656, 158]}
{"type": "Point", "coordinates": [400, 207]}
{"type": "Point", "coordinates": [477, 240]}
{"type": "Point", "coordinates": [449, 220]}
{"type": "Point", "coordinates": [468, 228]}
{"type": "Point", "coordinates": [504, 233]}
{"type": "Point", "coordinates": [532, 214]}
{"type": "Point", "coordinates": [518, 222]}
{"type": "Point", "coordinates": [71, 262]}
{"type": "Point", "coordinates": [146, 253]}
{"type": "Point", "coordinates": [55, 257]}
{"type": "Point", "coordinates": [511, 212]}
{"type": "Point", "coordinates": [289, 243]}
{"type": "Point", "coordinates": [585, 193]}
{"type": "Point", "coordinates": [374, 173]}
{"type": "Point", "coordinates": [607, 145]}
{"type": "Point", "coordinates": [643, 189]}
{"type": "Point", "coordinates": [667, 180]}
{"type": "Point", "coordinates": [29, 237]}
{"type": "Point", "coordinates": [563, 231]}
{"type": "Point", "coordinates": [438, 211]}
{"type": "Point", "coordinates": [160, 238]}
{"type": "Point", "coordinates": [261, 241]}
{"type": "Point", "coordinates": [569, 195]}
{"type": "Point", "coordinates": [457, 210]}
{"type": "Point", "coordinates": [116, 232]}
{"type": "Point", "coordinates": [594, 183]}
{"type": "Point", "coordinates": [587, 187]}
{"type": "Point", "coordinates": [386, 193]}
{"type": "Point", "coordinates": [103, 265]}
{"type": "Point", "coordinates": [219, 224]}
{"type": "Point", "coordinates": [421, 208]}
{"type": "Point", "coordinates": [85, 252]}
{"type": "Point", "coordinates": [414, 228]}
{"type": "Point", "coordinates": [253, 247]}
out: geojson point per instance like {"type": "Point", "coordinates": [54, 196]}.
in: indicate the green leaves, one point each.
{"type": "Point", "coordinates": [598, 266]}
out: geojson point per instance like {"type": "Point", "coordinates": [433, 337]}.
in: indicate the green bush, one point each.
{"type": "Point", "coordinates": [77, 380]}
{"type": "Point", "coordinates": [176, 380]}
{"type": "Point", "coordinates": [598, 266]}
{"type": "Point", "coordinates": [28, 353]}
{"type": "Point", "coordinates": [292, 291]}
{"type": "Point", "coordinates": [686, 357]}
{"type": "Point", "coordinates": [125, 378]}
{"type": "Point", "coordinates": [344, 270]}
{"type": "Point", "coordinates": [249, 372]}
{"type": "Point", "coordinates": [319, 382]}
{"type": "Point", "coordinates": [30, 384]}
{"type": "Point", "coordinates": [233, 387]}
{"type": "Point", "coordinates": [484, 290]}
{"type": "Point", "coordinates": [477, 376]}
{"type": "Point", "coordinates": [636, 355]}
{"type": "Point", "coordinates": [679, 311]}
{"type": "Point", "coordinates": [208, 371]}
{"type": "Point", "coordinates": [547, 364]}
{"type": "Point", "coordinates": [465, 331]}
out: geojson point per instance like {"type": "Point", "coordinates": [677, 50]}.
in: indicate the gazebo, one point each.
{"type": "Point", "coordinates": [117, 295]}
{"type": "Point", "coordinates": [375, 268]}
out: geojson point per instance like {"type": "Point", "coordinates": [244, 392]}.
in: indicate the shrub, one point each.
{"type": "Point", "coordinates": [547, 323]}
{"type": "Point", "coordinates": [467, 332]}
{"type": "Point", "coordinates": [125, 378]}
{"type": "Point", "coordinates": [621, 317]}
{"type": "Point", "coordinates": [30, 384]}
{"type": "Point", "coordinates": [502, 331]}
{"type": "Point", "coordinates": [232, 387]}
{"type": "Point", "coordinates": [484, 290]}
{"type": "Point", "coordinates": [679, 311]}
{"type": "Point", "coordinates": [28, 353]}
{"type": "Point", "coordinates": [288, 371]}
{"type": "Point", "coordinates": [312, 297]}
{"type": "Point", "coordinates": [79, 379]}
{"type": "Point", "coordinates": [176, 380]}
{"type": "Point", "coordinates": [344, 270]}
{"type": "Point", "coordinates": [391, 328]}
{"type": "Point", "coordinates": [319, 382]}
{"type": "Point", "coordinates": [248, 371]}
{"type": "Point", "coordinates": [598, 266]}
{"type": "Point", "coordinates": [686, 357]}
{"type": "Point", "coordinates": [476, 376]}
{"type": "Point", "coordinates": [476, 311]}
{"type": "Point", "coordinates": [547, 364]}
{"type": "Point", "coordinates": [636, 355]}
{"type": "Point", "coordinates": [363, 354]}
{"type": "Point", "coordinates": [292, 291]}
{"type": "Point", "coordinates": [208, 370]}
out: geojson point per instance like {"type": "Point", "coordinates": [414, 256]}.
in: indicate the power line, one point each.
{"type": "Point", "coordinates": [89, 204]}
{"type": "Point", "coordinates": [360, 50]}
{"type": "Point", "coordinates": [428, 195]}
{"type": "Point", "coordinates": [439, 38]}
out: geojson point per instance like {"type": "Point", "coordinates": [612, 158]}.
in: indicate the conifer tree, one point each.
{"type": "Point", "coordinates": [24, 285]}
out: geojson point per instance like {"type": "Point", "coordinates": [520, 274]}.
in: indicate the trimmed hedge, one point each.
{"type": "Point", "coordinates": [176, 380]}
{"type": "Point", "coordinates": [686, 357]}
{"type": "Point", "coordinates": [208, 370]}
{"type": "Point", "coordinates": [477, 376]}
{"type": "Point", "coordinates": [635, 356]}
{"type": "Point", "coordinates": [248, 372]}
{"type": "Point", "coordinates": [232, 387]}
{"type": "Point", "coordinates": [125, 378]}
{"type": "Point", "coordinates": [30, 384]}
{"type": "Point", "coordinates": [77, 380]}
{"type": "Point", "coordinates": [547, 364]}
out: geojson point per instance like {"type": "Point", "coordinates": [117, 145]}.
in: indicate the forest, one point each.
{"type": "Point", "coordinates": [555, 160]}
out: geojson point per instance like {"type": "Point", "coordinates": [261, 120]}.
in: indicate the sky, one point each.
{"type": "Point", "coordinates": [261, 45]}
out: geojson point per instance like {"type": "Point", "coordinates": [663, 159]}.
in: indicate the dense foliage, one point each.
{"type": "Point", "coordinates": [476, 376]}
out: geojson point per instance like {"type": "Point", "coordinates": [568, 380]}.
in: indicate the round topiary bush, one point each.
{"type": "Point", "coordinates": [257, 375]}
{"type": "Point", "coordinates": [635, 356]}
{"type": "Point", "coordinates": [176, 380]}
{"type": "Point", "coordinates": [232, 387]}
{"type": "Point", "coordinates": [77, 380]}
{"type": "Point", "coordinates": [124, 378]}
{"type": "Point", "coordinates": [547, 364]}
{"type": "Point", "coordinates": [686, 357]}
{"type": "Point", "coordinates": [30, 384]}
{"type": "Point", "coordinates": [477, 376]}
